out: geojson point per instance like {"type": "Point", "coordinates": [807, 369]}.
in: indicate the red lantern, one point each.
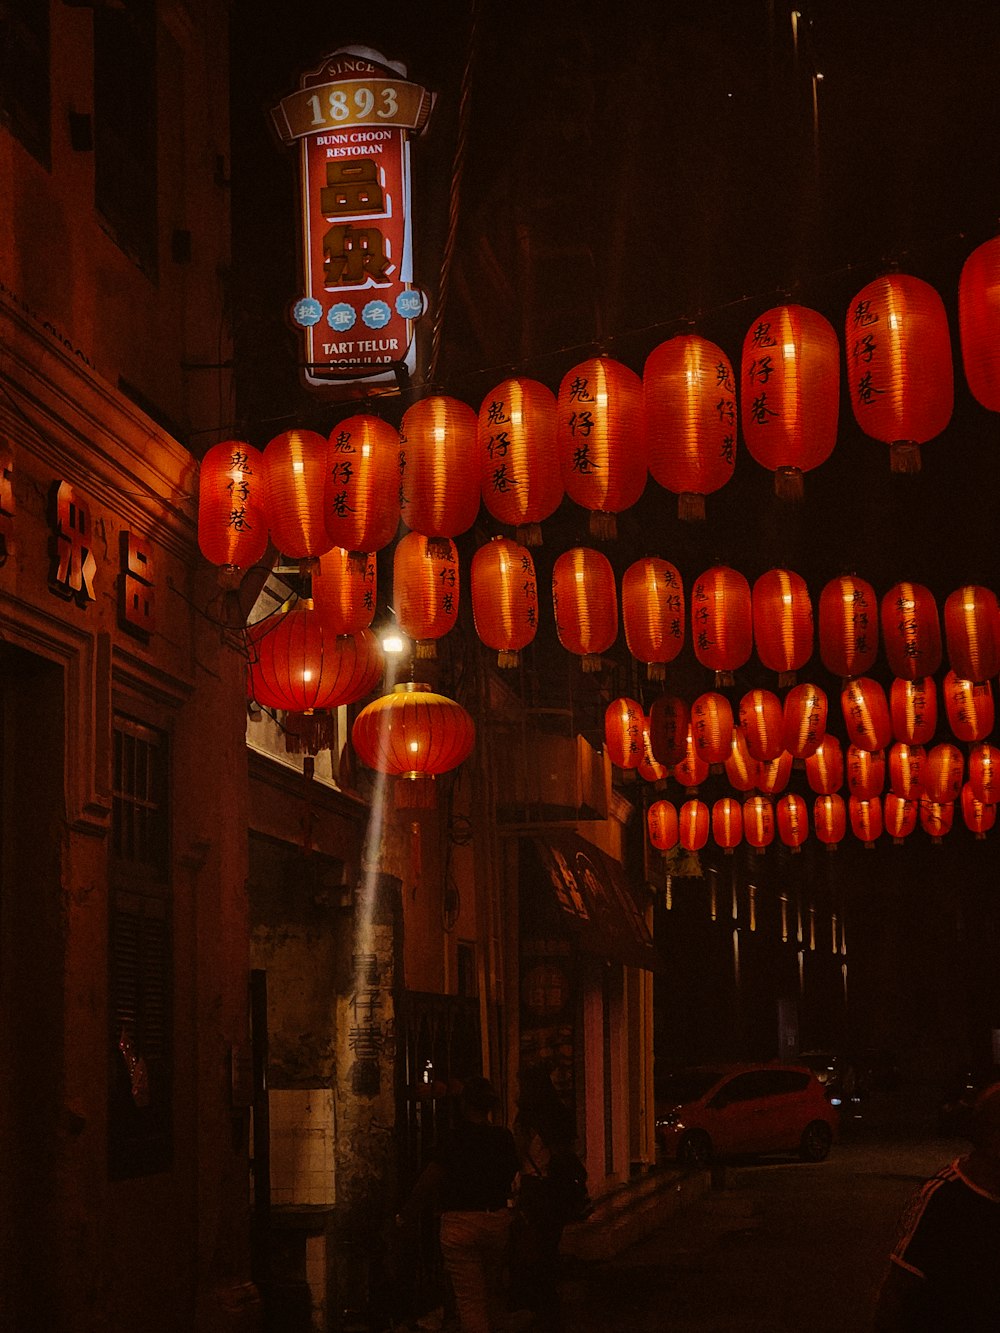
{"type": "Point", "coordinates": [972, 631]}
{"type": "Point", "coordinates": [599, 437]}
{"type": "Point", "coordinates": [944, 773]}
{"type": "Point", "coordinates": [866, 819]}
{"type": "Point", "coordinates": [344, 590]}
{"type": "Point", "coordinates": [830, 820]}
{"type": "Point", "coordinates": [900, 817]}
{"type": "Point", "coordinates": [294, 476]}
{"type": "Point", "coordinates": [763, 721]}
{"type": "Point", "coordinates": [793, 821]}
{"type": "Point", "coordinates": [907, 770]}
{"type": "Point", "coordinates": [911, 631]}
{"type": "Point", "coordinates": [689, 397]}
{"type": "Point", "coordinates": [969, 707]}
{"type": "Point", "coordinates": [504, 598]}
{"type": "Point", "coordinates": [741, 767]}
{"type": "Point", "coordinates": [899, 365]}
{"type": "Point", "coordinates": [984, 773]}
{"type": "Point", "coordinates": [727, 824]}
{"type": "Point", "coordinates": [979, 817]}
{"type": "Point", "coordinates": [692, 771]}
{"type": "Point", "coordinates": [353, 666]}
{"type": "Point", "coordinates": [865, 772]}
{"type": "Point", "coordinates": [936, 818]}
{"type": "Point", "coordinates": [662, 823]}
{"type": "Point", "coordinates": [585, 602]}
{"type": "Point", "coordinates": [521, 481]}
{"type": "Point", "coordinates": [825, 766]}
{"type": "Point", "coordinates": [866, 714]}
{"type": "Point", "coordinates": [722, 622]}
{"type": "Point", "coordinates": [712, 728]}
{"type": "Point", "coordinates": [297, 665]}
{"type": "Point", "coordinates": [693, 825]}
{"type": "Point", "coordinates": [439, 474]}
{"type": "Point", "coordinates": [623, 726]}
{"type": "Point", "coordinates": [782, 623]}
{"type": "Point", "coordinates": [913, 706]}
{"type": "Point", "coordinates": [425, 588]}
{"type": "Point", "coordinates": [232, 510]}
{"type": "Point", "coordinates": [653, 613]}
{"type": "Point", "coordinates": [669, 719]}
{"type": "Point", "coordinates": [413, 734]}
{"type": "Point", "coordinates": [848, 626]}
{"type": "Point", "coordinates": [772, 775]}
{"type": "Point", "coordinates": [758, 822]}
{"type": "Point", "coordinates": [979, 322]}
{"type": "Point", "coordinates": [804, 715]}
{"type": "Point", "coordinates": [361, 487]}
{"type": "Point", "coordinates": [790, 396]}
{"type": "Point", "coordinates": [650, 768]}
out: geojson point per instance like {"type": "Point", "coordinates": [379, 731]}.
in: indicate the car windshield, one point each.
{"type": "Point", "coordinates": [689, 1085]}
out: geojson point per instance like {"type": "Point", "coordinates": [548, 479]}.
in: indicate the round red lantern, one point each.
{"type": "Point", "coordinates": [232, 510]}
{"type": "Point", "coordinates": [944, 772]}
{"type": "Point", "coordinates": [979, 322]}
{"type": "Point", "coordinates": [969, 707]}
{"type": "Point", "coordinates": [439, 474]}
{"type": "Point", "coordinates": [353, 665]}
{"type": "Point", "coordinates": [984, 772]}
{"type": "Point", "coordinates": [763, 721]}
{"type": "Point", "coordinates": [653, 613]}
{"type": "Point", "coordinates": [900, 817]}
{"type": "Point", "coordinates": [804, 715]}
{"type": "Point", "coordinates": [972, 632]}
{"type": "Point", "coordinates": [722, 622]}
{"type": "Point", "coordinates": [727, 824]}
{"type": "Point", "coordinates": [772, 775]}
{"type": "Point", "coordinates": [663, 825]}
{"type": "Point", "coordinates": [865, 772]}
{"type": "Point", "coordinates": [741, 767]}
{"type": "Point", "coordinates": [911, 631]}
{"type": "Point", "coordinates": [782, 623]}
{"type": "Point", "coordinates": [758, 822]}
{"type": "Point", "coordinates": [361, 487]}
{"type": "Point", "coordinates": [623, 727]}
{"type": "Point", "coordinates": [979, 817]}
{"type": "Point", "coordinates": [692, 770]}
{"type": "Point", "coordinates": [866, 819]}
{"type": "Point", "coordinates": [936, 818]}
{"type": "Point", "coordinates": [344, 590]}
{"type": "Point", "coordinates": [689, 399]}
{"type": "Point", "coordinates": [712, 729]}
{"type": "Point", "coordinates": [790, 393]}
{"type": "Point", "coordinates": [413, 734]}
{"type": "Point", "coordinates": [899, 365]}
{"type": "Point", "coordinates": [848, 626]}
{"type": "Point", "coordinates": [650, 768]}
{"type": "Point", "coordinates": [425, 589]}
{"type": "Point", "coordinates": [866, 714]}
{"type": "Point", "coordinates": [913, 707]}
{"type": "Point", "coordinates": [830, 820]}
{"type": "Point", "coordinates": [585, 602]}
{"type": "Point", "coordinates": [504, 598]}
{"type": "Point", "coordinates": [693, 825]}
{"type": "Point", "coordinates": [907, 770]}
{"type": "Point", "coordinates": [600, 440]}
{"type": "Point", "coordinates": [793, 821]}
{"type": "Point", "coordinates": [825, 766]}
{"type": "Point", "coordinates": [294, 476]}
{"type": "Point", "coordinates": [521, 481]}
{"type": "Point", "coordinates": [669, 718]}
{"type": "Point", "coordinates": [295, 664]}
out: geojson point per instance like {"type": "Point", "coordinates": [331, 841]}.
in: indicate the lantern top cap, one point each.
{"type": "Point", "coordinates": [411, 687]}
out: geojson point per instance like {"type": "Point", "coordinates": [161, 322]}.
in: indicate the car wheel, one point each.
{"type": "Point", "coordinates": [815, 1142]}
{"type": "Point", "coordinates": [695, 1149]}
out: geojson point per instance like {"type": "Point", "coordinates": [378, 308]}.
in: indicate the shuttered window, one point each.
{"type": "Point", "coordinates": [24, 74]}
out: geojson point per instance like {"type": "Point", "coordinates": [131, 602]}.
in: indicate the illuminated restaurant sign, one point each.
{"type": "Point", "coordinates": [357, 308]}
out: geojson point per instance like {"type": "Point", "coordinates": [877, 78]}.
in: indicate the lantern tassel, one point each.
{"type": "Point", "coordinates": [591, 662]}
{"type": "Point", "coordinates": [656, 671]}
{"type": "Point", "coordinates": [530, 534]}
{"type": "Point", "coordinates": [414, 793]}
{"type": "Point", "coordinates": [691, 507]}
{"type": "Point", "coordinates": [789, 484]}
{"type": "Point", "coordinates": [308, 733]}
{"type": "Point", "coordinates": [426, 649]}
{"type": "Point", "coordinates": [724, 679]}
{"type": "Point", "coordinates": [904, 456]}
{"type": "Point", "coordinates": [603, 525]}
{"type": "Point", "coordinates": [786, 679]}
{"type": "Point", "coordinates": [508, 658]}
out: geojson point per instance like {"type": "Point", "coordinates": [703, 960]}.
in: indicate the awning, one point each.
{"type": "Point", "coordinates": [595, 900]}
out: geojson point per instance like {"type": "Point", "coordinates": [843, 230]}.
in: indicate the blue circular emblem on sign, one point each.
{"type": "Point", "coordinates": [341, 317]}
{"type": "Point", "coordinates": [307, 312]}
{"type": "Point", "coordinates": [376, 314]}
{"type": "Point", "coordinates": [410, 305]}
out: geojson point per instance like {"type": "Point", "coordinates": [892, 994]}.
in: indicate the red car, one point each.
{"type": "Point", "coordinates": [725, 1110]}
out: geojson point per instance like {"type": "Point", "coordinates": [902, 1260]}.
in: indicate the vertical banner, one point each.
{"type": "Point", "coordinates": [352, 119]}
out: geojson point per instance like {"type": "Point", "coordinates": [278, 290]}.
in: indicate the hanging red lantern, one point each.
{"type": "Point", "coordinates": [978, 816]}
{"type": "Point", "coordinates": [693, 825]}
{"type": "Point", "coordinates": [741, 767]}
{"type": "Point", "coordinates": [848, 626]}
{"type": "Point", "coordinates": [972, 631]}
{"type": "Point", "coordinates": [653, 613]}
{"type": "Point", "coordinates": [415, 735]}
{"type": "Point", "coordinates": [936, 818]}
{"type": "Point", "coordinates": [944, 772]}
{"type": "Point", "coordinates": [866, 819]}
{"type": "Point", "coordinates": [830, 820]}
{"type": "Point", "coordinates": [900, 817]}
{"type": "Point", "coordinates": [763, 721]}
{"type": "Point", "coordinates": [504, 598]}
{"type": "Point", "coordinates": [232, 509]}
{"type": "Point", "coordinates": [692, 770]}
{"type": "Point", "coordinates": [669, 718]}
{"type": "Point", "coordinates": [793, 821]}
{"type": "Point", "coordinates": [772, 775]}
{"type": "Point", "coordinates": [866, 713]}
{"type": "Point", "coordinates": [585, 602]}
{"type": "Point", "coordinates": [825, 766]}
{"type": "Point", "coordinates": [361, 486]}
{"type": "Point", "coordinates": [425, 589]}
{"type": "Point", "coordinates": [521, 481]}
{"type": "Point", "coordinates": [984, 772]}
{"type": "Point", "coordinates": [899, 365]}
{"type": "Point", "coordinates": [353, 666]}
{"type": "Point", "coordinates": [344, 590]}
{"type": "Point", "coordinates": [913, 707]}
{"type": "Point", "coordinates": [298, 666]}
{"type": "Point", "coordinates": [979, 322]}
{"type": "Point", "coordinates": [758, 822]}
{"type": "Point", "coordinates": [712, 728]}
{"type": "Point", "coordinates": [294, 476]}
{"type": "Point", "coordinates": [623, 726]}
{"type": "Point", "coordinates": [439, 475]}
{"type": "Point", "coordinates": [907, 770]}
{"type": "Point", "coordinates": [804, 715]}
{"type": "Point", "coordinates": [727, 824]}
{"type": "Point", "coordinates": [663, 825]}
{"type": "Point", "coordinates": [650, 768]}
{"type": "Point", "coordinates": [969, 707]}
{"type": "Point", "coordinates": [599, 437]}
{"type": "Point", "coordinates": [790, 393]}
{"type": "Point", "coordinates": [722, 622]}
{"type": "Point", "coordinates": [911, 631]}
{"type": "Point", "coordinates": [782, 623]}
{"type": "Point", "coordinates": [865, 772]}
{"type": "Point", "coordinates": [689, 400]}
